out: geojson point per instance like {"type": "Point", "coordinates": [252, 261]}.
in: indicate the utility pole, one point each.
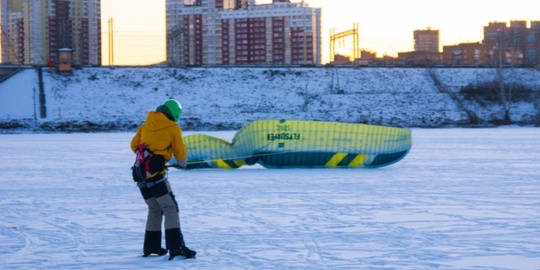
{"type": "Point", "coordinates": [111, 42]}
{"type": "Point", "coordinates": [356, 43]}
{"type": "Point", "coordinates": [500, 75]}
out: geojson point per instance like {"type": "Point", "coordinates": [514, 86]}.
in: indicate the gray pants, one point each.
{"type": "Point", "coordinates": [161, 203]}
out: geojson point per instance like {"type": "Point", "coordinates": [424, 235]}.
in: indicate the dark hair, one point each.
{"type": "Point", "coordinates": [163, 109]}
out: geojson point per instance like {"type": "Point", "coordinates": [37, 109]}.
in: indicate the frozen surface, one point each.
{"type": "Point", "coordinates": [461, 199]}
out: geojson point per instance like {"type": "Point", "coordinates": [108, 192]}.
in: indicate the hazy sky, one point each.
{"type": "Point", "coordinates": [386, 26]}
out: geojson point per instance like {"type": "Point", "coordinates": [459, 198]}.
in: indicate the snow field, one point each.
{"type": "Point", "coordinates": [461, 199]}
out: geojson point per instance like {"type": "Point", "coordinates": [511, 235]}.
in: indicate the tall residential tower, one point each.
{"type": "Point", "coordinates": [34, 30]}
{"type": "Point", "coordinates": [223, 32]}
{"type": "Point", "coordinates": [426, 40]}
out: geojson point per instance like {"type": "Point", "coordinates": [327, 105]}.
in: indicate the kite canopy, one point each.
{"type": "Point", "coordinates": [301, 144]}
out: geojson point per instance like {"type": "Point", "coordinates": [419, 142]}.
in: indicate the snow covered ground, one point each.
{"type": "Point", "coordinates": [229, 98]}
{"type": "Point", "coordinates": [461, 199]}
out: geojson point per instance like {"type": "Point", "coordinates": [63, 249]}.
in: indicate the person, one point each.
{"type": "Point", "coordinates": [162, 135]}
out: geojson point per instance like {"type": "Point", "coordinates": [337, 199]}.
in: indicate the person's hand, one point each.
{"type": "Point", "coordinates": [181, 163]}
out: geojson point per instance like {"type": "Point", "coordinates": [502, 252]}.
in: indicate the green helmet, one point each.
{"type": "Point", "coordinates": [174, 108]}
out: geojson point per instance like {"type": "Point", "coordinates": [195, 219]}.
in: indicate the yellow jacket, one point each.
{"type": "Point", "coordinates": [162, 136]}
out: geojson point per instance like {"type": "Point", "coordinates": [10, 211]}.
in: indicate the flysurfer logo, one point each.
{"type": "Point", "coordinates": [283, 136]}
{"type": "Point", "coordinates": [283, 133]}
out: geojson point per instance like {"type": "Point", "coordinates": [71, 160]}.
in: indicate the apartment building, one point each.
{"type": "Point", "coordinates": [466, 54]}
{"type": "Point", "coordinates": [426, 40]}
{"type": "Point", "coordinates": [507, 44]}
{"type": "Point", "coordinates": [513, 44]}
{"type": "Point", "coordinates": [33, 31]}
{"type": "Point", "coordinates": [239, 32]}
{"type": "Point", "coordinates": [518, 43]}
{"type": "Point", "coordinates": [426, 50]}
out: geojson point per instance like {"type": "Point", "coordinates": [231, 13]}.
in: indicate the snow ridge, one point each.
{"type": "Point", "coordinates": [103, 98]}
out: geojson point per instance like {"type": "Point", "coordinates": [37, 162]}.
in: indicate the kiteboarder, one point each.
{"type": "Point", "coordinates": [155, 143]}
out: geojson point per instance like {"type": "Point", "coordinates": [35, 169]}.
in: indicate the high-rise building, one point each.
{"type": "Point", "coordinates": [223, 32]}
{"type": "Point", "coordinates": [34, 30]}
{"type": "Point", "coordinates": [532, 44]}
{"type": "Point", "coordinates": [426, 40]}
{"type": "Point", "coordinates": [514, 44]}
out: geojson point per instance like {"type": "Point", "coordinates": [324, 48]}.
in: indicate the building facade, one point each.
{"type": "Point", "coordinates": [419, 58]}
{"type": "Point", "coordinates": [517, 43]}
{"type": "Point", "coordinates": [34, 31]}
{"type": "Point", "coordinates": [240, 32]}
{"type": "Point", "coordinates": [466, 54]}
{"type": "Point", "coordinates": [426, 40]}
{"type": "Point", "coordinates": [503, 44]}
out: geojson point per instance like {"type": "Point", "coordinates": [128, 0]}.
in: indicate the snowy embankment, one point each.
{"type": "Point", "coordinates": [228, 98]}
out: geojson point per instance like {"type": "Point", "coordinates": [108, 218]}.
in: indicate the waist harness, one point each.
{"type": "Point", "coordinates": [148, 166]}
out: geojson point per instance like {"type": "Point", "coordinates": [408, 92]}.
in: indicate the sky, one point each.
{"type": "Point", "coordinates": [385, 26]}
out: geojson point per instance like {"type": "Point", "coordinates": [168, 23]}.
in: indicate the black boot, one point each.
{"type": "Point", "coordinates": [152, 244]}
{"type": "Point", "coordinates": [182, 251]}
{"type": "Point", "coordinates": [175, 244]}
